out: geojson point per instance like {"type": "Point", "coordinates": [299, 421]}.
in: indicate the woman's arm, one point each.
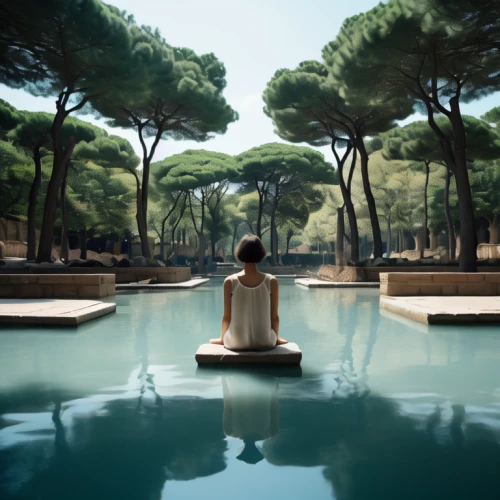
{"type": "Point", "coordinates": [275, 319]}
{"type": "Point", "coordinates": [226, 318]}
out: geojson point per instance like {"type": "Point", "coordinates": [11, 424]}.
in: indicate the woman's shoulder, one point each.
{"type": "Point", "coordinates": [231, 278]}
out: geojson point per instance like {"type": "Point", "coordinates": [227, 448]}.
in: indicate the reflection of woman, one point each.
{"type": "Point", "coordinates": [250, 413]}
{"type": "Point", "coordinates": [250, 318]}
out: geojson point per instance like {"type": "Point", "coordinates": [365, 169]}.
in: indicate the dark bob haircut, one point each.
{"type": "Point", "coordinates": [250, 249]}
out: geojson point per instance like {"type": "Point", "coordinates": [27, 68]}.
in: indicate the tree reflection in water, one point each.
{"type": "Point", "coordinates": [124, 445]}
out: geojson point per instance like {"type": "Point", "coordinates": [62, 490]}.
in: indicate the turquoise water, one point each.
{"type": "Point", "coordinates": [118, 409]}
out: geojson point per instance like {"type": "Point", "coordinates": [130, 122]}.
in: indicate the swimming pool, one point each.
{"type": "Point", "coordinates": [383, 408]}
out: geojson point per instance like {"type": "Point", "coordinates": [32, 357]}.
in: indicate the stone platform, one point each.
{"type": "Point", "coordinates": [186, 285]}
{"type": "Point", "coordinates": [37, 286]}
{"type": "Point", "coordinates": [213, 354]}
{"type": "Point", "coordinates": [439, 284]}
{"type": "Point", "coordinates": [52, 312]}
{"type": "Point", "coordinates": [444, 310]}
{"type": "Point", "coordinates": [120, 274]}
{"type": "Point", "coordinates": [313, 283]}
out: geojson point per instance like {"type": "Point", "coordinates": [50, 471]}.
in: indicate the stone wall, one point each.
{"type": "Point", "coordinates": [348, 274]}
{"type": "Point", "coordinates": [436, 284]}
{"type": "Point", "coordinates": [343, 274]}
{"type": "Point", "coordinates": [56, 285]}
{"type": "Point", "coordinates": [440, 252]}
{"type": "Point", "coordinates": [122, 275]}
{"type": "Point", "coordinates": [488, 251]}
{"type": "Point", "coordinates": [13, 248]}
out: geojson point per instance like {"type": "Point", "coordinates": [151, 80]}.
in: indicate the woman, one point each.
{"type": "Point", "coordinates": [250, 320]}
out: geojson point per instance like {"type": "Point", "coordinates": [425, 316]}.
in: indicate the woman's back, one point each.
{"type": "Point", "coordinates": [250, 326]}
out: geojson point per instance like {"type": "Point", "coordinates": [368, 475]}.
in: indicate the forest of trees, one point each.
{"type": "Point", "coordinates": [388, 184]}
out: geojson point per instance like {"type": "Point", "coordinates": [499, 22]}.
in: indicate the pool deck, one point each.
{"type": "Point", "coordinates": [313, 283]}
{"type": "Point", "coordinates": [445, 310]}
{"type": "Point", "coordinates": [185, 285]}
{"type": "Point", "coordinates": [52, 312]}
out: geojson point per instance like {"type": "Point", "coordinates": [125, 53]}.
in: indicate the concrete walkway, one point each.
{"type": "Point", "coordinates": [445, 310]}
{"type": "Point", "coordinates": [313, 283]}
{"type": "Point", "coordinates": [56, 312]}
{"type": "Point", "coordinates": [185, 285]}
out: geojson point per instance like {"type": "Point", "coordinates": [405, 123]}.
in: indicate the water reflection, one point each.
{"type": "Point", "coordinates": [383, 409]}
{"type": "Point", "coordinates": [250, 412]}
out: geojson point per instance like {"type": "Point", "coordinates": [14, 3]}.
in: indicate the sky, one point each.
{"type": "Point", "coordinates": [253, 39]}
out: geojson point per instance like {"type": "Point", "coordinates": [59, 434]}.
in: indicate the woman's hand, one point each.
{"type": "Point", "coordinates": [217, 341]}
{"type": "Point", "coordinates": [281, 341]}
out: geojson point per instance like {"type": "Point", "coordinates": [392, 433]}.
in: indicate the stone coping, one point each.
{"type": "Point", "coordinates": [52, 312]}
{"type": "Point", "coordinates": [122, 274]}
{"type": "Point", "coordinates": [445, 310]}
{"type": "Point", "coordinates": [213, 354]}
{"type": "Point", "coordinates": [437, 284]}
{"type": "Point", "coordinates": [371, 274]}
{"type": "Point", "coordinates": [186, 285]}
{"type": "Point", "coordinates": [314, 283]}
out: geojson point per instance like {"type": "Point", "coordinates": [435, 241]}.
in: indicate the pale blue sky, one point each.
{"type": "Point", "coordinates": [253, 39]}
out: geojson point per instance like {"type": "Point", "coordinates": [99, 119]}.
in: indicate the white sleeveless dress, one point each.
{"type": "Point", "coordinates": [250, 326]}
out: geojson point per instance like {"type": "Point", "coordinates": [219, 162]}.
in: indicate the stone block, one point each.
{"type": "Point", "coordinates": [492, 277]}
{"type": "Point", "coordinates": [475, 277]}
{"type": "Point", "coordinates": [89, 291]}
{"type": "Point", "coordinates": [425, 277]}
{"type": "Point", "coordinates": [476, 289]}
{"type": "Point", "coordinates": [29, 291]}
{"type": "Point", "coordinates": [108, 279]}
{"type": "Point", "coordinates": [7, 291]}
{"type": "Point", "coordinates": [400, 289]}
{"type": "Point", "coordinates": [287, 354]}
{"type": "Point", "coordinates": [434, 289]}
{"type": "Point", "coordinates": [54, 279]}
{"type": "Point", "coordinates": [65, 290]}
{"type": "Point", "coordinates": [453, 277]}
{"type": "Point", "coordinates": [449, 289]}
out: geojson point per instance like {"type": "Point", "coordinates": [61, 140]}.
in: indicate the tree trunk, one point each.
{"type": "Point", "coordinates": [389, 237]}
{"type": "Point", "coordinates": [64, 256]}
{"type": "Point", "coordinates": [493, 229]}
{"type": "Point", "coordinates": [235, 232]}
{"type": "Point", "coordinates": [426, 210]}
{"type": "Point", "coordinates": [433, 241]}
{"type": "Point", "coordinates": [142, 226]}
{"type": "Point", "coordinates": [201, 253]}
{"type": "Point", "coordinates": [449, 220]}
{"type": "Point", "coordinates": [339, 244]}
{"type": "Point", "coordinates": [289, 236]}
{"type": "Point", "coordinates": [468, 240]}
{"type": "Point", "coordinates": [259, 215]}
{"type": "Point", "coordinates": [417, 238]}
{"type": "Point", "coordinates": [370, 200]}
{"type": "Point", "coordinates": [274, 234]}
{"type": "Point", "coordinates": [61, 158]}
{"type": "Point", "coordinates": [346, 195]}
{"type": "Point", "coordinates": [162, 240]}
{"type": "Point", "coordinates": [83, 249]}
{"type": "Point", "coordinates": [33, 198]}
{"type": "Point", "coordinates": [212, 247]}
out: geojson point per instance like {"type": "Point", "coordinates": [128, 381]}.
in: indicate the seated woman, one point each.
{"type": "Point", "coordinates": [250, 320]}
